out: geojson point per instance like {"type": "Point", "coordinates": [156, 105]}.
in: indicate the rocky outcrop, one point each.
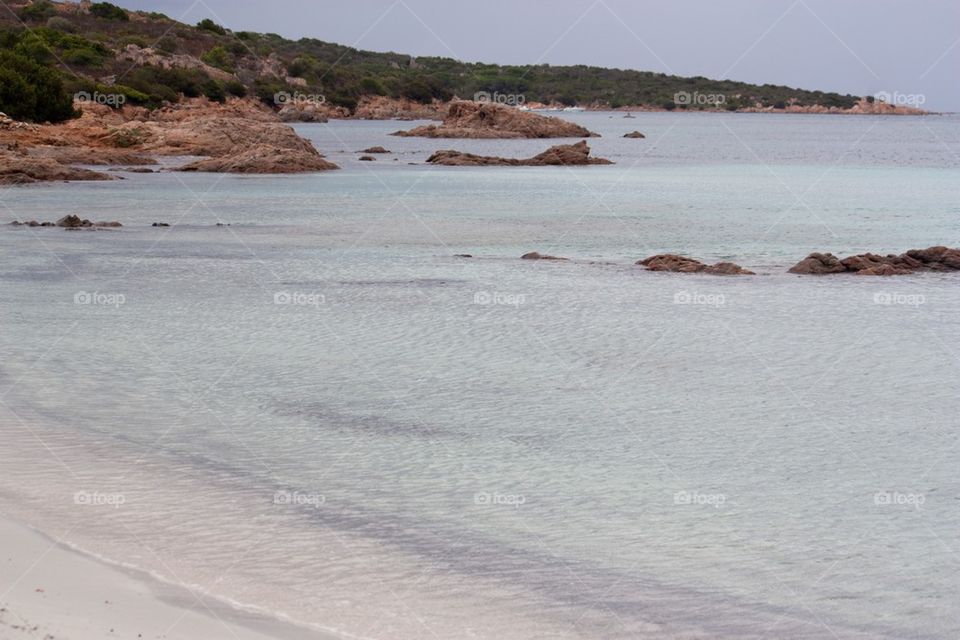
{"type": "Point", "coordinates": [560, 155]}
{"type": "Point", "coordinates": [683, 264]}
{"type": "Point", "coordinates": [302, 112]}
{"type": "Point", "coordinates": [18, 168]}
{"type": "Point", "coordinates": [533, 255]}
{"type": "Point", "coordinates": [264, 158]}
{"type": "Point", "coordinates": [241, 135]}
{"type": "Point", "coordinates": [818, 264]}
{"type": "Point", "coordinates": [68, 222]}
{"type": "Point", "coordinates": [869, 264]}
{"type": "Point", "coordinates": [634, 134]}
{"type": "Point", "coordinates": [489, 120]}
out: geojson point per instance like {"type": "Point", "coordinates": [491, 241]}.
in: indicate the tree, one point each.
{"type": "Point", "coordinates": [30, 91]}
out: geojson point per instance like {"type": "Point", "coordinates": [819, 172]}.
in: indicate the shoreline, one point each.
{"type": "Point", "coordinates": [52, 590]}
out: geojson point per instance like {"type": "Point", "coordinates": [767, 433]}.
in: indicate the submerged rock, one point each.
{"type": "Point", "coordinates": [367, 158]}
{"type": "Point", "coordinates": [682, 264]}
{"type": "Point", "coordinates": [634, 134]}
{"type": "Point", "coordinates": [489, 120]}
{"type": "Point", "coordinates": [533, 255]}
{"type": "Point", "coordinates": [559, 155]}
{"type": "Point", "coordinates": [376, 150]}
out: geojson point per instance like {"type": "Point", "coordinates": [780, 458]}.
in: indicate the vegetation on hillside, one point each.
{"type": "Point", "coordinates": [53, 50]}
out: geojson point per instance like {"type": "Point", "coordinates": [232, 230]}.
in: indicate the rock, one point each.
{"type": "Point", "coordinates": [818, 264]}
{"type": "Point", "coordinates": [264, 158]}
{"type": "Point", "coordinates": [634, 134]}
{"type": "Point", "coordinates": [160, 224]}
{"type": "Point", "coordinates": [91, 156]}
{"type": "Point", "coordinates": [682, 264]}
{"type": "Point", "coordinates": [869, 264]}
{"type": "Point", "coordinates": [21, 169]}
{"type": "Point", "coordinates": [107, 225]}
{"type": "Point", "coordinates": [73, 222]}
{"type": "Point", "coordinates": [367, 158]}
{"type": "Point", "coordinates": [490, 120]}
{"type": "Point", "coordinates": [728, 269]}
{"type": "Point", "coordinates": [376, 150]}
{"type": "Point", "coordinates": [302, 112]}
{"type": "Point", "coordinates": [458, 255]}
{"type": "Point", "coordinates": [564, 154]}
{"type": "Point", "coordinates": [672, 262]}
{"type": "Point", "coordinates": [533, 255]}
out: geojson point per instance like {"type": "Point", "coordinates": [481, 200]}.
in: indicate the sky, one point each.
{"type": "Point", "coordinates": [909, 49]}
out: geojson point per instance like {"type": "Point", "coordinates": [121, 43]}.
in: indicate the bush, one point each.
{"type": "Point", "coordinates": [30, 91]}
{"type": "Point", "coordinates": [209, 25]}
{"type": "Point", "coordinates": [61, 24]}
{"type": "Point", "coordinates": [39, 10]}
{"type": "Point", "coordinates": [371, 85]}
{"type": "Point", "coordinates": [214, 91]}
{"type": "Point", "coordinates": [219, 57]}
{"type": "Point", "coordinates": [108, 11]}
{"type": "Point", "coordinates": [235, 88]}
{"type": "Point", "coordinates": [168, 44]}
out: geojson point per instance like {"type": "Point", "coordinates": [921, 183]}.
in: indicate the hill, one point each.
{"type": "Point", "coordinates": [53, 51]}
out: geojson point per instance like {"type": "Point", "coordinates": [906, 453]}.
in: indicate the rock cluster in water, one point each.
{"type": "Point", "coordinates": [67, 222]}
{"type": "Point", "coordinates": [869, 264]}
{"type": "Point", "coordinates": [559, 155]}
{"type": "Point", "coordinates": [489, 120]}
{"type": "Point", "coordinates": [683, 264]}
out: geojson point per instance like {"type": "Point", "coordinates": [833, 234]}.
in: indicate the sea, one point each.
{"type": "Point", "coordinates": [343, 400]}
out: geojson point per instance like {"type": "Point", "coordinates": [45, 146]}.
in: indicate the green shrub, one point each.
{"type": "Point", "coordinates": [30, 91]}
{"type": "Point", "coordinates": [61, 24]}
{"type": "Point", "coordinates": [371, 85]}
{"type": "Point", "coordinates": [214, 91]}
{"type": "Point", "coordinates": [168, 44]}
{"type": "Point", "coordinates": [39, 10]}
{"type": "Point", "coordinates": [219, 57]}
{"type": "Point", "coordinates": [235, 88]}
{"type": "Point", "coordinates": [108, 11]}
{"type": "Point", "coordinates": [209, 25]}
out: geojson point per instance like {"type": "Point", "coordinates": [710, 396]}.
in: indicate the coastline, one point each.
{"type": "Point", "coordinates": [50, 590]}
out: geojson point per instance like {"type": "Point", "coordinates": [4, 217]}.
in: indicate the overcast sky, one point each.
{"type": "Point", "coordinates": [907, 47]}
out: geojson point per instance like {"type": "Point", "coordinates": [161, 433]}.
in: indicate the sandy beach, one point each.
{"type": "Point", "coordinates": [49, 591]}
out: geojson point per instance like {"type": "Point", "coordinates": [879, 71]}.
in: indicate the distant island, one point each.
{"type": "Point", "coordinates": [56, 53]}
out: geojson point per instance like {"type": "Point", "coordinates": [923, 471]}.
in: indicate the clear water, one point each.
{"type": "Point", "coordinates": [421, 445]}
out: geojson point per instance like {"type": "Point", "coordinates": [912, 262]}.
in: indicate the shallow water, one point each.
{"type": "Point", "coordinates": [321, 412]}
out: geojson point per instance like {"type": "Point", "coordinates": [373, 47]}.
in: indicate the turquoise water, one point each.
{"type": "Point", "coordinates": [320, 412]}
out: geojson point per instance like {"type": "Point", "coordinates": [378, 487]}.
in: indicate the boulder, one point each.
{"type": "Point", "coordinates": [490, 120]}
{"type": "Point", "coordinates": [559, 155]}
{"type": "Point", "coordinates": [682, 264]}
{"type": "Point", "coordinates": [376, 150]}
{"type": "Point", "coordinates": [73, 222]}
{"type": "Point", "coordinates": [634, 134]}
{"type": "Point", "coordinates": [533, 255]}
{"type": "Point", "coordinates": [367, 158]}
{"type": "Point", "coordinates": [818, 264]}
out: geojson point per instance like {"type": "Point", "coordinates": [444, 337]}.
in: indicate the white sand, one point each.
{"type": "Point", "coordinates": [48, 591]}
